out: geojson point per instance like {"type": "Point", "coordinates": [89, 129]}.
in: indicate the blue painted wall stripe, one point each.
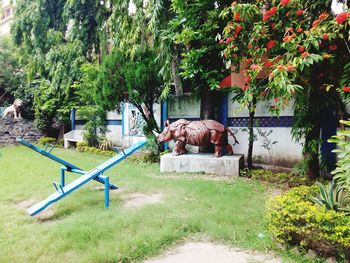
{"type": "Point", "coordinates": [282, 121]}
{"type": "Point", "coordinates": [109, 122]}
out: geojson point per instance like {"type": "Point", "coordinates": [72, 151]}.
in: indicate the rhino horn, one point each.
{"type": "Point", "coordinates": [155, 133]}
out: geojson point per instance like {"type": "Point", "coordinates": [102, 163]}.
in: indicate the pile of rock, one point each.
{"type": "Point", "coordinates": [10, 129]}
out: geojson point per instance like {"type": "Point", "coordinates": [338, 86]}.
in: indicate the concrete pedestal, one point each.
{"type": "Point", "coordinates": [198, 163]}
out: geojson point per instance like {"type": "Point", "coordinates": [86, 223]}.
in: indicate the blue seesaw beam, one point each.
{"type": "Point", "coordinates": [69, 167]}
{"type": "Point", "coordinates": [94, 173]}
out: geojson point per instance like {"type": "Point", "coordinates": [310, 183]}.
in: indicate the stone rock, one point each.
{"type": "Point", "coordinates": [331, 260]}
{"type": "Point", "coordinates": [311, 254]}
{"type": "Point", "coordinates": [11, 129]}
{"type": "Point", "coordinates": [202, 163]}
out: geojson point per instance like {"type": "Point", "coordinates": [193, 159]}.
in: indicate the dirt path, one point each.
{"type": "Point", "coordinates": [206, 252]}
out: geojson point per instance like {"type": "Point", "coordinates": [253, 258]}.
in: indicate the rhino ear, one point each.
{"type": "Point", "coordinates": [167, 123]}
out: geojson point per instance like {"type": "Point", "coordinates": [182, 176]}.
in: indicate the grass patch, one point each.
{"type": "Point", "coordinates": [82, 230]}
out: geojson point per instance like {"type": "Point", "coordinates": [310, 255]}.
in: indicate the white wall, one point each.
{"type": "Point", "coordinates": [284, 153]}
{"type": "Point", "coordinates": [5, 23]}
{"type": "Point", "coordinates": [115, 132]}
{"type": "Point", "coordinates": [183, 107]}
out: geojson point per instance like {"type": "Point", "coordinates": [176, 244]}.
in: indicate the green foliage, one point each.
{"type": "Point", "coordinates": [342, 172]}
{"type": "Point", "coordinates": [47, 140]}
{"type": "Point", "coordinates": [136, 81]}
{"type": "Point", "coordinates": [193, 29]}
{"type": "Point", "coordinates": [84, 147]}
{"type": "Point", "coordinates": [280, 178]}
{"type": "Point", "coordinates": [294, 46]}
{"type": "Point", "coordinates": [332, 197]}
{"type": "Point", "coordinates": [295, 220]}
{"type": "Point", "coordinates": [11, 76]}
{"type": "Point", "coordinates": [65, 38]}
{"type": "Point", "coordinates": [104, 143]}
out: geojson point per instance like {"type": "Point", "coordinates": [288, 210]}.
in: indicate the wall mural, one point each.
{"type": "Point", "coordinates": [136, 122]}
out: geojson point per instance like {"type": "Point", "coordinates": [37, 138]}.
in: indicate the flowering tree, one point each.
{"type": "Point", "coordinates": [302, 51]}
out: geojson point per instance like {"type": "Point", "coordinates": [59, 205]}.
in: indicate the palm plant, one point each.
{"type": "Point", "coordinates": [332, 197]}
{"type": "Point", "coordinates": [105, 144]}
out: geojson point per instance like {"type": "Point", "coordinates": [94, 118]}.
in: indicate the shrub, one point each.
{"type": "Point", "coordinates": [105, 144]}
{"type": "Point", "coordinates": [290, 179]}
{"type": "Point", "coordinates": [342, 172]}
{"type": "Point", "coordinates": [47, 140]}
{"type": "Point", "coordinates": [81, 146]}
{"type": "Point", "coordinates": [295, 220]}
{"type": "Point", "coordinates": [332, 197]}
{"type": "Point", "coordinates": [84, 147]}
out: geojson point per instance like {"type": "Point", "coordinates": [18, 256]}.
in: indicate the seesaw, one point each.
{"type": "Point", "coordinates": [96, 174]}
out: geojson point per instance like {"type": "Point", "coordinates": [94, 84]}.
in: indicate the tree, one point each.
{"type": "Point", "coordinates": [193, 30]}
{"type": "Point", "coordinates": [56, 38]}
{"type": "Point", "coordinates": [304, 51]}
{"type": "Point", "coordinates": [133, 80]}
{"type": "Point", "coordinates": [10, 70]}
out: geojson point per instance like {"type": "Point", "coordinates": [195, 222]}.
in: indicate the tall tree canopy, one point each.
{"type": "Point", "coordinates": [193, 29]}
{"type": "Point", "coordinates": [56, 38]}
{"type": "Point", "coordinates": [304, 51]}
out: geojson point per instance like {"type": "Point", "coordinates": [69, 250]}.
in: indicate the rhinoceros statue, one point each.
{"type": "Point", "coordinates": [198, 133]}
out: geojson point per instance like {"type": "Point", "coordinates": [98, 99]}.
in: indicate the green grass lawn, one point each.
{"type": "Point", "coordinates": [82, 230]}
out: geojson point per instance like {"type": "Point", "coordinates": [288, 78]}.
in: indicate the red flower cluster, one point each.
{"type": "Point", "coordinates": [229, 40]}
{"type": "Point", "coordinates": [316, 23]}
{"type": "Point", "coordinates": [290, 68]}
{"type": "Point", "coordinates": [299, 30]}
{"type": "Point", "coordinates": [305, 54]}
{"type": "Point", "coordinates": [301, 49]}
{"type": "Point", "coordinates": [325, 36]}
{"type": "Point", "coordinates": [237, 16]}
{"type": "Point", "coordinates": [284, 2]}
{"type": "Point", "coordinates": [271, 44]}
{"type": "Point", "coordinates": [255, 67]}
{"type": "Point", "coordinates": [268, 64]}
{"type": "Point", "coordinates": [288, 38]}
{"type": "Point", "coordinates": [238, 30]}
{"type": "Point", "coordinates": [245, 87]}
{"type": "Point", "coordinates": [299, 12]}
{"type": "Point", "coordinates": [332, 47]}
{"type": "Point", "coordinates": [247, 79]}
{"type": "Point", "coordinates": [346, 89]}
{"type": "Point", "coordinates": [269, 13]}
{"type": "Point", "coordinates": [341, 18]}
{"type": "Point", "coordinates": [323, 16]}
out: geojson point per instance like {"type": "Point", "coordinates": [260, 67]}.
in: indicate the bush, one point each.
{"type": "Point", "coordinates": [47, 140]}
{"type": "Point", "coordinates": [84, 147]}
{"type": "Point", "coordinates": [342, 172]}
{"type": "Point", "coordinates": [105, 144]}
{"type": "Point", "coordinates": [290, 179]}
{"type": "Point", "coordinates": [295, 220]}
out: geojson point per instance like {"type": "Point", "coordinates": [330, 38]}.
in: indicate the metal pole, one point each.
{"type": "Point", "coordinates": [106, 181]}
{"type": "Point", "coordinates": [63, 169]}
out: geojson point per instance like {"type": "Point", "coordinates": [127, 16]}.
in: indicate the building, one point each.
{"type": "Point", "coordinates": [6, 15]}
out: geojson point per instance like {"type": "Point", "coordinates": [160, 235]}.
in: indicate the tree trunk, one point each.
{"type": "Point", "coordinates": [210, 102]}
{"type": "Point", "coordinates": [312, 138]}
{"type": "Point", "coordinates": [251, 139]}
{"type": "Point", "coordinates": [175, 75]}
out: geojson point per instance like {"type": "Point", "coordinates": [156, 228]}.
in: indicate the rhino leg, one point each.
{"type": "Point", "coordinates": [179, 148]}
{"type": "Point", "coordinates": [218, 151]}
{"type": "Point", "coordinates": [229, 149]}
